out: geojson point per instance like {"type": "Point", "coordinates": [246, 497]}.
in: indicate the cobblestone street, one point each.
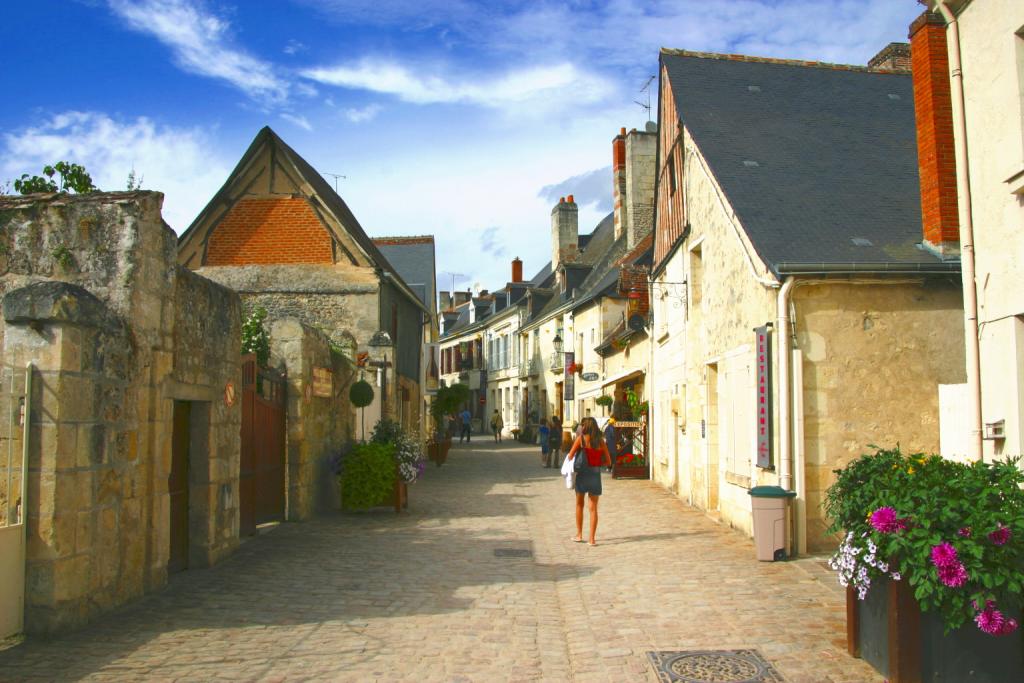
{"type": "Point", "coordinates": [424, 596]}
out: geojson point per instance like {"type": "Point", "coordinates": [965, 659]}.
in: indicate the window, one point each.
{"type": "Point", "coordinates": [696, 275]}
{"type": "Point", "coordinates": [670, 168]}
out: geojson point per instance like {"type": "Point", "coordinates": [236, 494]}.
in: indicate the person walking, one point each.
{"type": "Point", "coordinates": [466, 417]}
{"type": "Point", "coordinates": [593, 454]}
{"type": "Point", "coordinates": [544, 436]}
{"type": "Point", "coordinates": [555, 443]}
{"type": "Point", "coordinates": [497, 424]}
{"type": "Point", "coordinates": [611, 440]}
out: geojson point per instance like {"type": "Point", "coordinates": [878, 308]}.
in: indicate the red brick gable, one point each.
{"type": "Point", "coordinates": [269, 231]}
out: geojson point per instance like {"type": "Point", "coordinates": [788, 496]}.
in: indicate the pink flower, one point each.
{"type": "Point", "coordinates": [944, 554]}
{"type": "Point", "coordinates": [990, 620]}
{"type": "Point", "coordinates": [1009, 626]}
{"type": "Point", "coordinates": [1000, 536]}
{"type": "Point", "coordinates": [965, 532]}
{"type": "Point", "coordinates": [953, 575]}
{"type": "Point", "coordinates": [884, 519]}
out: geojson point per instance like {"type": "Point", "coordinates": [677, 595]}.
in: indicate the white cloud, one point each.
{"type": "Point", "coordinates": [176, 161]}
{"type": "Point", "coordinates": [562, 81]}
{"type": "Point", "coordinates": [363, 114]}
{"type": "Point", "coordinates": [201, 45]}
{"type": "Point", "coordinates": [294, 47]}
{"type": "Point", "coordinates": [297, 119]}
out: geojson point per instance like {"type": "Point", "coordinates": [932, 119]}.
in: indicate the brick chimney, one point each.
{"type": "Point", "coordinates": [892, 57]}
{"type": "Point", "coordinates": [517, 270]}
{"type": "Point", "coordinates": [565, 232]}
{"type": "Point", "coordinates": [933, 110]}
{"type": "Point", "coordinates": [619, 181]}
{"type": "Point", "coordinates": [633, 184]}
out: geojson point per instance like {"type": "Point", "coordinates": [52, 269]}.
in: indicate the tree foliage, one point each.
{"type": "Point", "coordinates": [255, 338]}
{"type": "Point", "coordinates": [71, 177]}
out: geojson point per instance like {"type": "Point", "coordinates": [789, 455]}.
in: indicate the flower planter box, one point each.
{"type": "Point", "coordinates": [630, 472]}
{"type": "Point", "coordinates": [890, 632]}
{"type": "Point", "coordinates": [437, 451]}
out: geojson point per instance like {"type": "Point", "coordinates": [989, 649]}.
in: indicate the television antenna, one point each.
{"type": "Point", "coordinates": [646, 90]}
{"type": "Point", "coordinates": [336, 176]}
{"type": "Point", "coordinates": [454, 275]}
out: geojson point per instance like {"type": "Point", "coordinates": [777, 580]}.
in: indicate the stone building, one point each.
{"type": "Point", "coordinates": [799, 316]}
{"type": "Point", "coordinates": [133, 438]}
{"type": "Point", "coordinates": [282, 238]}
{"type": "Point", "coordinates": [979, 196]}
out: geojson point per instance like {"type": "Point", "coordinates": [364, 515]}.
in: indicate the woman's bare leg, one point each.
{"type": "Point", "coordinates": [579, 516]}
{"type": "Point", "coordinates": [593, 517]}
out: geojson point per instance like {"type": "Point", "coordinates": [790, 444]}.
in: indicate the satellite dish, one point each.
{"type": "Point", "coordinates": [637, 322]}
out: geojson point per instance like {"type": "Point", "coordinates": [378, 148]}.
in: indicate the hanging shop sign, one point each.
{"type": "Point", "coordinates": [432, 376]}
{"type": "Point", "coordinates": [763, 378]}
{"type": "Point", "coordinates": [589, 376]}
{"type": "Point", "coordinates": [569, 392]}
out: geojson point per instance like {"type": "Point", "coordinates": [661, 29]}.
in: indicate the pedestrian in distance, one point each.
{"type": "Point", "coordinates": [593, 454]}
{"type": "Point", "coordinates": [555, 443]}
{"type": "Point", "coordinates": [497, 424]}
{"type": "Point", "coordinates": [544, 436]}
{"type": "Point", "coordinates": [611, 440]}
{"type": "Point", "coordinates": [466, 417]}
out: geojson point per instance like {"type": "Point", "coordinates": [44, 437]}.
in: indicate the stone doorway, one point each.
{"type": "Point", "coordinates": [177, 487]}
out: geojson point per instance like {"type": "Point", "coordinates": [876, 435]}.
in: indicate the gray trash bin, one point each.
{"type": "Point", "coordinates": [769, 507]}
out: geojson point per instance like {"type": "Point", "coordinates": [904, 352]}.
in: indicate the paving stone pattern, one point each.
{"type": "Point", "coordinates": [423, 596]}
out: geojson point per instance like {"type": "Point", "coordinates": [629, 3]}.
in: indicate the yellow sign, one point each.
{"type": "Point", "coordinates": [323, 382]}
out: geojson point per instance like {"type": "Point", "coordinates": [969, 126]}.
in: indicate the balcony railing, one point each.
{"type": "Point", "coordinates": [556, 362]}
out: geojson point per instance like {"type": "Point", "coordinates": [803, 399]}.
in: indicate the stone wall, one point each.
{"type": "Point", "coordinates": [318, 427]}
{"type": "Point", "coordinates": [90, 286]}
{"type": "Point", "coordinates": [339, 300]}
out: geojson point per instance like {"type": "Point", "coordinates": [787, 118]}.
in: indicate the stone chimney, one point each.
{"type": "Point", "coordinates": [641, 148]}
{"type": "Point", "coordinates": [565, 232]}
{"type": "Point", "coordinates": [459, 298]}
{"type": "Point", "coordinates": [892, 57]}
{"type": "Point", "coordinates": [517, 270]}
{"type": "Point", "coordinates": [633, 183]}
{"type": "Point", "coordinates": [933, 111]}
{"type": "Point", "coordinates": [444, 302]}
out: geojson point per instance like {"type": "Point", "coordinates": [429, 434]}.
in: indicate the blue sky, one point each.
{"type": "Point", "coordinates": [459, 119]}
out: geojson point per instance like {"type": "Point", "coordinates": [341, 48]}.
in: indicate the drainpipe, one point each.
{"type": "Point", "coordinates": [963, 190]}
{"type": "Point", "coordinates": [782, 327]}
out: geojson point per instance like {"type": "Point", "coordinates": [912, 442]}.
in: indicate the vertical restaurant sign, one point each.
{"type": "Point", "coordinates": [763, 358]}
{"type": "Point", "coordinates": [432, 378]}
{"type": "Point", "coordinates": [569, 392]}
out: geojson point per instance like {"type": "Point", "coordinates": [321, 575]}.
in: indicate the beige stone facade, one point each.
{"type": "Point", "coordinates": [119, 336]}
{"type": "Point", "coordinates": [992, 56]}
{"type": "Point", "coordinates": [869, 355]}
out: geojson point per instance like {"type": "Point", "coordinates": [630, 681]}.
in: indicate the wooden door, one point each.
{"type": "Point", "coordinates": [177, 485]}
{"type": "Point", "coordinates": [262, 464]}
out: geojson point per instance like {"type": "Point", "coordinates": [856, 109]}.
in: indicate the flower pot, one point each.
{"type": "Point", "coordinates": [437, 451]}
{"type": "Point", "coordinates": [889, 631]}
{"type": "Point", "coordinates": [630, 472]}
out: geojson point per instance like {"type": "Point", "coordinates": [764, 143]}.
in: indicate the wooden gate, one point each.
{"type": "Point", "coordinates": [15, 386]}
{"type": "Point", "coordinates": [261, 477]}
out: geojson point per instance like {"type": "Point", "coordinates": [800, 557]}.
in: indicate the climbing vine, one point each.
{"type": "Point", "coordinates": [255, 338]}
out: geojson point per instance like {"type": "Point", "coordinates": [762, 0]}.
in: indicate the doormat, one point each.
{"type": "Point", "coordinates": [713, 666]}
{"type": "Point", "coordinates": [512, 552]}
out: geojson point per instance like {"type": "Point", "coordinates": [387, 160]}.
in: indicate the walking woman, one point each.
{"type": "Point", "coordinates": [588, 474]}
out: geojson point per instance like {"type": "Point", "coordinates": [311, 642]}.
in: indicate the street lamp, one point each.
{"type": "Point", "coordinates": [382, 339]}
{"type": "Point", "coordinates": [557, 343]}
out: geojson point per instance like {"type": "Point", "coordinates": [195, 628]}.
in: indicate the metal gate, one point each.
{"type": "Point", "coordinates": [15, 385]}
{"type": "Point", "coordinates": [261, 477]}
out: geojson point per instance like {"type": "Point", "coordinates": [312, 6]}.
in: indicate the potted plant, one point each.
{"type": "Point", "coordinates": [630, 466]}
{"type": "Point", "coordinates": [366, 475]}
{"type": "Point", "coordinates": [407, 456]}
{"type": "Point", "coordinates": [445, 403]}
{"type": "Point", "coordinates": [932, 550]}
{"type": "Point", "coordinates": [605, 402]}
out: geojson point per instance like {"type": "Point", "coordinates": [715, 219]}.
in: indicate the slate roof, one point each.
{"type": "Point", "coordinates": [819, 161]}
{"type": "Point", "coordinates": [413, 259]}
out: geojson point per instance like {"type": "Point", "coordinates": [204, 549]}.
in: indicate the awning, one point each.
{"type": "Point", "coordinates": [596, 391]}
{"type": "Point", "coordinates": [628, 374]}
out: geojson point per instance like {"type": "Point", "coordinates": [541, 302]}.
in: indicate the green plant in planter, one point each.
{"type": "Point", "coordinates": [605, 401]}
{"type": "Point", "coordinates": [636, 405]}
{"type": "Point", "coordinates": [447, 401]}
{"type": "Point", "coordinates": [954, 531]}
{"type": "Point", "coordinates": [367, 475]}
{"type": "Point", "coordinates": [408, 457]}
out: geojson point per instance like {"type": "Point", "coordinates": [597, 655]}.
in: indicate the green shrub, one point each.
{"type": "Point", "coordinates": [367, 476]}
{"type": "Point", "coordinates": [361, 394]}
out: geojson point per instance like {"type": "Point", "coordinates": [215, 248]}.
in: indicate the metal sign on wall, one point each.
{"type": "Point", "coordinates": [763, 376]}
{"type": "Point", "coordinates": [323, 382]}
{"type": "Point", "coordinates": [569, 390]}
